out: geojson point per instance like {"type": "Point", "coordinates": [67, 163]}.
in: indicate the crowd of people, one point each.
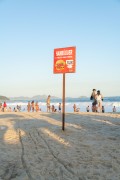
{"type": "Point", "coordinates": [32, 106]}
{"type": "Point", "coordinates": [5, 108]}
{"type": "Point", "coordinates": [97, 99]}
{"type": "Point", "coordinates": [97, 106]}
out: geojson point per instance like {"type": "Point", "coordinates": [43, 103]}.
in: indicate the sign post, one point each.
{"type": "Point", "coordinates": [64, 62]}
{"type": "Point", "coordinates": [63, 102]}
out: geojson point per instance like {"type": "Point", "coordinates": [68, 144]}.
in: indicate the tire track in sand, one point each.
{"type": "Point", "coordinates": [40, 145]}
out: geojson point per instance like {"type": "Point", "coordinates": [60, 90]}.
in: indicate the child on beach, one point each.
{"type": "Point", "coordinates": [88, 109]}
{"type": "Point", "coordinates": [59, 107]}
{"type": "Point", "coordinates": [114, 109]}
{"type": "Point", "coordinates": [103, 109]}
{"type": "Point", "coordinates": [53, 108]}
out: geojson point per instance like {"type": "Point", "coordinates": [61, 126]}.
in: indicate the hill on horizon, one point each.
{"type": "Point", "coordinates": [4, 98]}
{"type": "Point", "coordinates": [37, 97]}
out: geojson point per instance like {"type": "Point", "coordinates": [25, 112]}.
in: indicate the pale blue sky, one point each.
{"type": "Point", "coordinates": [31, 29]}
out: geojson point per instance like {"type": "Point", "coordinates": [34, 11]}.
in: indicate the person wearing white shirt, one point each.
{"type": "Point", "coordinates": [99, 99]}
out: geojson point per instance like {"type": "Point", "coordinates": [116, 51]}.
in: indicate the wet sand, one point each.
{"type": "Point", "coordinates": [33, 146]}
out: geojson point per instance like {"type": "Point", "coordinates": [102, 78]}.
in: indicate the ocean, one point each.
{"type": "Point", "coordinates": [81, 103]}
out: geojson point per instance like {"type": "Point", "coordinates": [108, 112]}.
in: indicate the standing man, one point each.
{"type": "Point", "coordinates": [94, 100]}
{"type": "Point", "coordinates": [48, 103]}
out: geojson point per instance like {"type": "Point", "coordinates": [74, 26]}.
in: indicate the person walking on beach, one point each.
{"type": "Point", "coordinates": [94, 100]}
{"type": "Point", "coordinates": [99, 99]}
{"type": "Point", "coordinates": [114, 109]}
{"type": "Point", "coordinates": [48, 103]}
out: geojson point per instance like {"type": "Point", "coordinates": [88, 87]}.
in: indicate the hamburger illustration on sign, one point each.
{"type": "Point", "coordinates": [64, 60]}
{"type": "Point", "coordinates": [60, 65]}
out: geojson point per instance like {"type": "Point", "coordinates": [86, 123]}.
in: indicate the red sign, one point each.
{"type": "Point", "coordinates": [64, 60]}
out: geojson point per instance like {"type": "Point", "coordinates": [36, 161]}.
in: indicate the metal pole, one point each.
{"type": "Point", "coordinates": [63, 101]}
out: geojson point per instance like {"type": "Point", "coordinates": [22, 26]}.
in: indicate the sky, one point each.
{"type": "Point", "coordinates": [30, 30]}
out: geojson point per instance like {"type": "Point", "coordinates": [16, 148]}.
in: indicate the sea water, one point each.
{"type": "Point", "coordinates": [81, 103]}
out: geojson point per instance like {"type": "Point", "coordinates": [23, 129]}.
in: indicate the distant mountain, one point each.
{"type": "Point", "coordinates": [83, 97]}
{"type": "Point", "coordinates": [37, 97]}
{"type": "Point", "coordinates": [76, 97]}
{"type": "Point", "coordinates": [19, 98]}
{"type": "Point", "coordinates": [43, 97]}
{"type": "Point", "coordinates": [3, 98]}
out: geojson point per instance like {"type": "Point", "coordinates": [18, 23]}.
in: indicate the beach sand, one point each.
{"type": "Point", "coordinates": [33, 146]}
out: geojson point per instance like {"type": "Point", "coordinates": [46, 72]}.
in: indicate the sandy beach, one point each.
{"type": "Point", "coordinates": [33, 146]}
